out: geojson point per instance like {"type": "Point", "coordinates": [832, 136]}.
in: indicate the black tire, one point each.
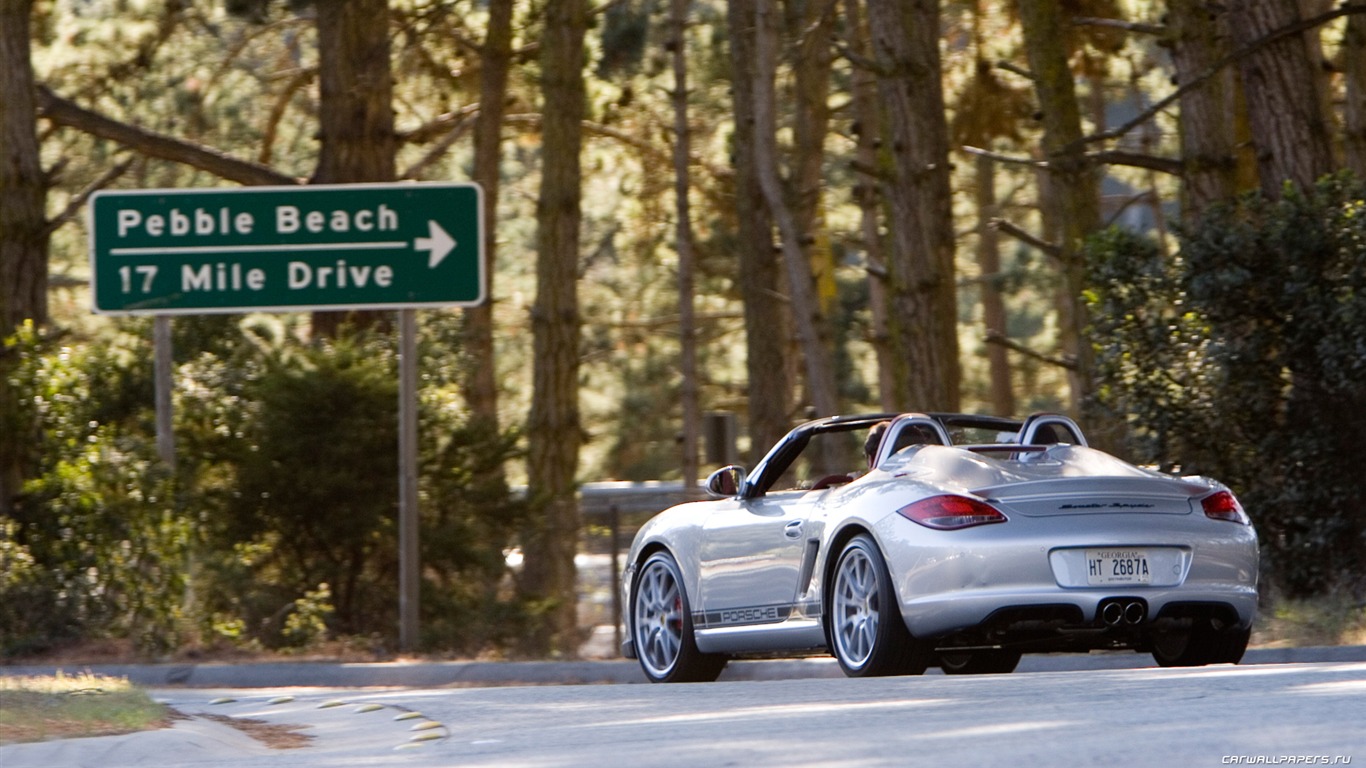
{"type": "Point", "coordinates": [867, 634]}
{"type": "Point", "coordinates": [991, 662]}
{"type": "Point", "coordinates": [1203, 643]}
{"type": "Point", "coordinates": [661, 626]}
{"type": "Point", "coordinates": [1230, 645]}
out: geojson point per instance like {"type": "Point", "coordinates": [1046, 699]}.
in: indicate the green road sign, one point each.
{"type": "Point", "coordinates": [341, 246]}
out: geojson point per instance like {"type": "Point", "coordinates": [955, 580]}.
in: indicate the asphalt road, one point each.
{"type": "Point", "coordinates": [1265, 713]}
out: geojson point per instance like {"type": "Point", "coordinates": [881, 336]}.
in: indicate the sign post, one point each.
{"type": "Point", "coordinates": [307, 248]}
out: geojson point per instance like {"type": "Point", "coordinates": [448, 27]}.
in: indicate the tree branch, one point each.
{"type": "Point", "coordinates": [1298, 27]}
{"type": "Point", "coordinates": [857, 61]}
{"type": "Point", "coordinates": [62, 112]}
{"type": "Point", "coordinates": [867, 170]}
{"type": "Point", "coordinates": [74, 204]}
{"type": "Point", "coordinates": [646, 148]}
{"type": "Point", "coordinates": [999, 339]}
{"type": "Point", "coordinates": [1011, 159]}
{"type": "Point", "coordinates": [440, 126]}
{"type": "Point", "coordinates": [1139, 160]}
{"type": "Point", "coordinates": [1128, 203]}
{"type": "Point", "coordinates": [1052, 249]}
{"type": "Point", "coordinates": [439, 149]}
{"type": "Point", "coordinates": [1106, 157]}
{"type": "Point", "coordinates": [1016, 69]}
{"type": "Point", "coordinates": [1127, 26]}
{"type": "Point", "coordinates": [277, 111]}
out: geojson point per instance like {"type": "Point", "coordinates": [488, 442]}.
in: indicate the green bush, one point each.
{"type": "Point", "coordinates": [279, 526]}
{"type": "Point", "coordinates": [1243, 358]}
{"type": "Point", "coordinates": [96, 526]}
{"type": "Point", "coordinates": [311, 497]}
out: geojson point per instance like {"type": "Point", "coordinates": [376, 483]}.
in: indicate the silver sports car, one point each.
{"type": "Point", "coordinates": [900, 541]}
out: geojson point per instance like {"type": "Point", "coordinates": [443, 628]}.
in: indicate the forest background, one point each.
{"type": "Point", "coordinates": [1148, 214]}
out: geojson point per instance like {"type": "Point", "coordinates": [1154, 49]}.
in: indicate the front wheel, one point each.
{"type": "Point", "coordinates": [661, 626]}
{"type": "Point", "coordinates": [867, 634]}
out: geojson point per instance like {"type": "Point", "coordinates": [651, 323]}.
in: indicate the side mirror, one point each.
{"type": "Point", "coordinates": [726, 482]}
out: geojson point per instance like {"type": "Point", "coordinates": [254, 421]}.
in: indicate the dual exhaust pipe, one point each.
{"type": "Point", "coordinates": [1122, 612]}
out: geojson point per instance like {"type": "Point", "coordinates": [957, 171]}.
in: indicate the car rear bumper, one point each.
{"type": "Point", "coordinates": [1070, 620]}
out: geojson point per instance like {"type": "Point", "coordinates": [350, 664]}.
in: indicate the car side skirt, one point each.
{"type": "Point", "coordinates": [759, 628]}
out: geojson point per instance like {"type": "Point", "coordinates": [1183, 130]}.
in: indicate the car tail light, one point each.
{"type": "Point", "coordinates": [1224, 506]}
{"type": "Point", "coordinates": [948, 513]}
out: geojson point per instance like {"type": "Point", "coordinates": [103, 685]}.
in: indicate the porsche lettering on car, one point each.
{"type": "Point", "coordinates": [896, 542]}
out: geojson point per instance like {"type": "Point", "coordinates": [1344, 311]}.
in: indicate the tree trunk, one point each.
{"type": "Point", "coordinates": [481, 381]}
{"type": "Point", "coordinates": [993, 303]}
{"type": "Point", "coordinates": [922, 292]}
{"type": "Point", "coordinates": [806, 314]}
{"type": "Point", "coordinates": [864, 98]}
{"type": "Point", "coordinates": [687, 322]}
{"type": "Point", "coordinates": [23, 192]}
{"type": "Point", "coordinates": [1074, 180]}
{"type": "Point", "coordinates": [770, 387]}
{"type": "Point", "coordinates": [1282, 90]}
{"type": "Point", "coordinates": [1354, 71]}
{"type": "Point", "coordinates": [810, 24]}
{"type": "Point", "coordinates": [356, 111]}
{"type": "Point", "coordinates": [554, 433]}
{"type": "Point", "coordinates": [1197, 40]}
{"type": "Point", "coordinates": [23, 229]}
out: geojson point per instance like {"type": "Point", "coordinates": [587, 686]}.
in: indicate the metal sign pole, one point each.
{"type": "Point", "coordinates": [164, 382]}
{"type": "Point", "coordinates": [409, 554]}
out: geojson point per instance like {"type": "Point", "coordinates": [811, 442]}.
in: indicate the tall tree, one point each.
{"type": "Point", "coordinates": [865, 105]}
{"type": "Point", "coordinates": [553, 430]}
{"type": "Point", "coordinates": [356, 107]}
{"type": "Point", "coordinates": [1354, 69]}
{"type": "Point", "coordinates": [769, 386]}
{"type": "Point", "coordinates": [1001, 391]}
{"type": "Point", "coordinates": [1283, 97]}
{"type": "Point", "coordinates": [922, 291]}
{"type": "Point", "coordinates": [806, 309]}
{"type": "Point", "coordinates": [1198, 39]}
{"type": "Point", "coordinates": [683, 243]}
{"type": "Point", "coordinates": [481, 381]}
{"type": "Point", "coordinates": [23, 190]}
{"type": "Point", "coordinates": [988, 110]}
{"type": "Point", "coordinates": [23, 227]}
{"type": "Point", "coordinates": [809, 27]}
{"type": "Point", "coordinates": [1074, 179]}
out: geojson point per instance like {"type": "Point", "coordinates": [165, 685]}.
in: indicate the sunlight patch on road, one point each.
{"type": "Point", "coordinates": [1339, 688]}
{"type": "Point", "coordinates": [780, 710]}
{"type": "Point", "coordinates": [1001, 729]}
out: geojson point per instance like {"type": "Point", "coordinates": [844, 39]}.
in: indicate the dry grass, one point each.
{"type": "Point", "coordinates": [1329, 620]}
{"type": "Point", "coordinates": [71, 706]}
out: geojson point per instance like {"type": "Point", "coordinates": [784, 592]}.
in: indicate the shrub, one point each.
{"type": "Point", "coordinates": [1242, 358]}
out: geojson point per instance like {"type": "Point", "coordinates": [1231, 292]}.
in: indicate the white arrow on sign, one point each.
{"type": "Point", "coordinates": [439, 243]}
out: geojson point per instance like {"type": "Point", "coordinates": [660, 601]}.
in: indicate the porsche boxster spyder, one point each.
{"type": "Point", "coordinates": [897, 542]}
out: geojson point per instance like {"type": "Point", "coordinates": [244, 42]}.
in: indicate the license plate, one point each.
{"type": "Point", "coordinates": [1118, 566]}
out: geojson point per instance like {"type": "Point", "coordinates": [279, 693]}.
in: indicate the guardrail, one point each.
{"type": "Point", "coordinates": [612, 513]}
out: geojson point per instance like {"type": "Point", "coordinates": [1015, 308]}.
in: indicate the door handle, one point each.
{"type": "Point", "coordinates": [793, 530]}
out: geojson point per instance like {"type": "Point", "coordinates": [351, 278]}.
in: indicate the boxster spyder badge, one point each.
{"type": "Point", "coordinates": [900, 541]}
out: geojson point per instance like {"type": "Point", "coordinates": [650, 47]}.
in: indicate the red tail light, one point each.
{"type": "Point", "coordinates": [948, 513]}
{"type": "Point", "coordinates": [1224, 506]}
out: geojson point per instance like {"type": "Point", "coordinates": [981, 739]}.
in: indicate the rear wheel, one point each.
{"type": "Point", "coordinates": [867, 634]}
{"type": "Point", "coordinates": [990, 662]}
{"type": "Point", "coordinates": [1203, 643]}
{"type": "Point", "coordinates": [661, 626]}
